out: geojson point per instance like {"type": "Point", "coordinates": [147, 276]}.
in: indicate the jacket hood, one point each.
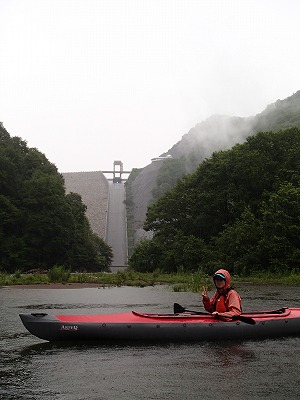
{"type": "Point", "coordinates": [227, 277]}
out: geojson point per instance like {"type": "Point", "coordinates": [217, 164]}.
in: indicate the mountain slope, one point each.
{"type": "Point", "coordinates": [218, 132]}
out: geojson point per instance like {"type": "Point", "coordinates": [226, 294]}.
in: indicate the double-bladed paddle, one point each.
{"type": "Point", "coordinates": [178, 309]}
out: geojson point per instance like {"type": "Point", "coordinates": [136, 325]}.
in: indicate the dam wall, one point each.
{"type": "Point", "coordinates": [93, 189]}
{"type": "Point", "coordinates": [105, 211]}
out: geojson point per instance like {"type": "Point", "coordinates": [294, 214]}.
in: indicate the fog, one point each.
{"type": "Point", "coordinates": [89, 82]}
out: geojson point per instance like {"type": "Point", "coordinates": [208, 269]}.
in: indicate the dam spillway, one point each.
{"type": "Point", "coordinates": [116, 231]}
{"type": "Point", "coordinates": [105, 211]}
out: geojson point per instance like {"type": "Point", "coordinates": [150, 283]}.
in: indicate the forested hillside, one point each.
{"type": "Point", "coordinates": [239, 210]}
{"type": "Point", "coordinates": [216, 133]}
{"type": "Point", "coordinates": [41, 226]}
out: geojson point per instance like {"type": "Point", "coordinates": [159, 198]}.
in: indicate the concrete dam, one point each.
{"type": "Point", "coordinates": [105, 211]}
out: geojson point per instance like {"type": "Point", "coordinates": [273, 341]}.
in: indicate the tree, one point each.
{"type": "Point", "coordinates": [240, 204]}
{"type": "Point", "coordinates": [281, 228]}
{"type": "Point", "coordinates": [147, 256]}
{"type": "Point", "coordinates": [168, 175]}
{"type": "Point", "coordinates": [41, 226]}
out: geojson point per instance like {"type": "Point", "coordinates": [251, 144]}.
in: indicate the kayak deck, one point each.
{"type": "Point", "coordinates": [139, 317]}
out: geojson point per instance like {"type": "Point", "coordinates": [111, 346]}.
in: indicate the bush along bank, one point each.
{"type": "Point", "coordinates": [190, 282]}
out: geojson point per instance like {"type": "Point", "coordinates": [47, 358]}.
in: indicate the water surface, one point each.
{"type": "Point", "coordinates": [33, 369]}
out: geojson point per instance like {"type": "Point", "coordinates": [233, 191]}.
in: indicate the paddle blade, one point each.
{"type": "Point", "coordinates": [247, 320]}
{"type": "Point", "coordinates": [178, 308]}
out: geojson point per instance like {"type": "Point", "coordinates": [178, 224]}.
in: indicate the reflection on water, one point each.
{"type": "Point", "coordinates": [233, 354]}
{"type": "Point", "coordinates": [34, 369]}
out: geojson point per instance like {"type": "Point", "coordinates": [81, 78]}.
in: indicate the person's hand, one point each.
{"type": "Point", "coordinates": [205, 292]}
{"type": "Point", "coordinates": [215, 314]}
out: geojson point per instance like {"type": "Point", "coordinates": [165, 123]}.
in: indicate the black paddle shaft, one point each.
{"type": "Point", "coordinates": [178, 309]}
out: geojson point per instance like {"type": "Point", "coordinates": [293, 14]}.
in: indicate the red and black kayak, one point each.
{"type": "Point", "coordinates": [185, 326]}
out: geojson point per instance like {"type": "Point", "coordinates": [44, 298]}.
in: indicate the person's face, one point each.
{"type": "Point", "coordinates": [219, 282]}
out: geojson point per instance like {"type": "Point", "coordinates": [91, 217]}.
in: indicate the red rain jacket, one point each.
{"type": "Point", "coordinates": [226, 300]}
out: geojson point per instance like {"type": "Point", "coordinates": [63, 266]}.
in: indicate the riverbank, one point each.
{"type": "Point", "coordinates": [179, 282]}
{"type": "Point", "coordinates": [54, 286]}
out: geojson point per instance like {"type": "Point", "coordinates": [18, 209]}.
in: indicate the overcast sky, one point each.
{"type": "Point", "coordinates": [88, 82]}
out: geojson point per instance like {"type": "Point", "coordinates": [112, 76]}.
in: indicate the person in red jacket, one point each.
{"type": "Point", "coordinates": [226, 301]}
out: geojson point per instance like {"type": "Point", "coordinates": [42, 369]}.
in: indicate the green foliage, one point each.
{"type": "Point", "coordinates": [199, 280]}
{"type": "Point", "coordinates": [282, 114]}
{"type": "Point", "coordinates": [239, 210]}
{"type": "Point", "coordinates": [146, 256]}
{"type": "Point", "coordinates": [168, 175]}
{"type": "Point", "coordinates": [59, 274]}
{"type": "Point", "coordinates": [17, 273]}
{"type": "Point", "coordinates": [178, 282]}
{"type": "Point", "coordinates": [41, 226]}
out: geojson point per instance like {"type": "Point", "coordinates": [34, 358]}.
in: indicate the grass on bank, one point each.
{"type": "Point", "coordinates": [180, 281]}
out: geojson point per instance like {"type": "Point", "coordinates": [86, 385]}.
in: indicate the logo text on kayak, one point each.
{"type": "Point", "coordinates": [69, 328]}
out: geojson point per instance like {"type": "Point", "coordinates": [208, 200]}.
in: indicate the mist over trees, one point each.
{"type": "Point", "coordinates": [239, 210]}
{"type": "Point", "coordinates": [216, 133]}
{"type": "Point", "coordinates": [41, 226]}
{"type": "Point", "coordinates": [221, 132]}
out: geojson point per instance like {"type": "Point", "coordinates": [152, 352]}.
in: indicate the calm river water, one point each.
{"type": "Point", "coordinates": [33, 369]}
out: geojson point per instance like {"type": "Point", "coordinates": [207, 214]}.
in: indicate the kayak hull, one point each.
{"type": "Point", "coordinates": [134, 326]}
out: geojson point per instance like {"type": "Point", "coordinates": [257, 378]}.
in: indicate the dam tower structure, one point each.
{"type": "Point", "coordinates": [116, 228]}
